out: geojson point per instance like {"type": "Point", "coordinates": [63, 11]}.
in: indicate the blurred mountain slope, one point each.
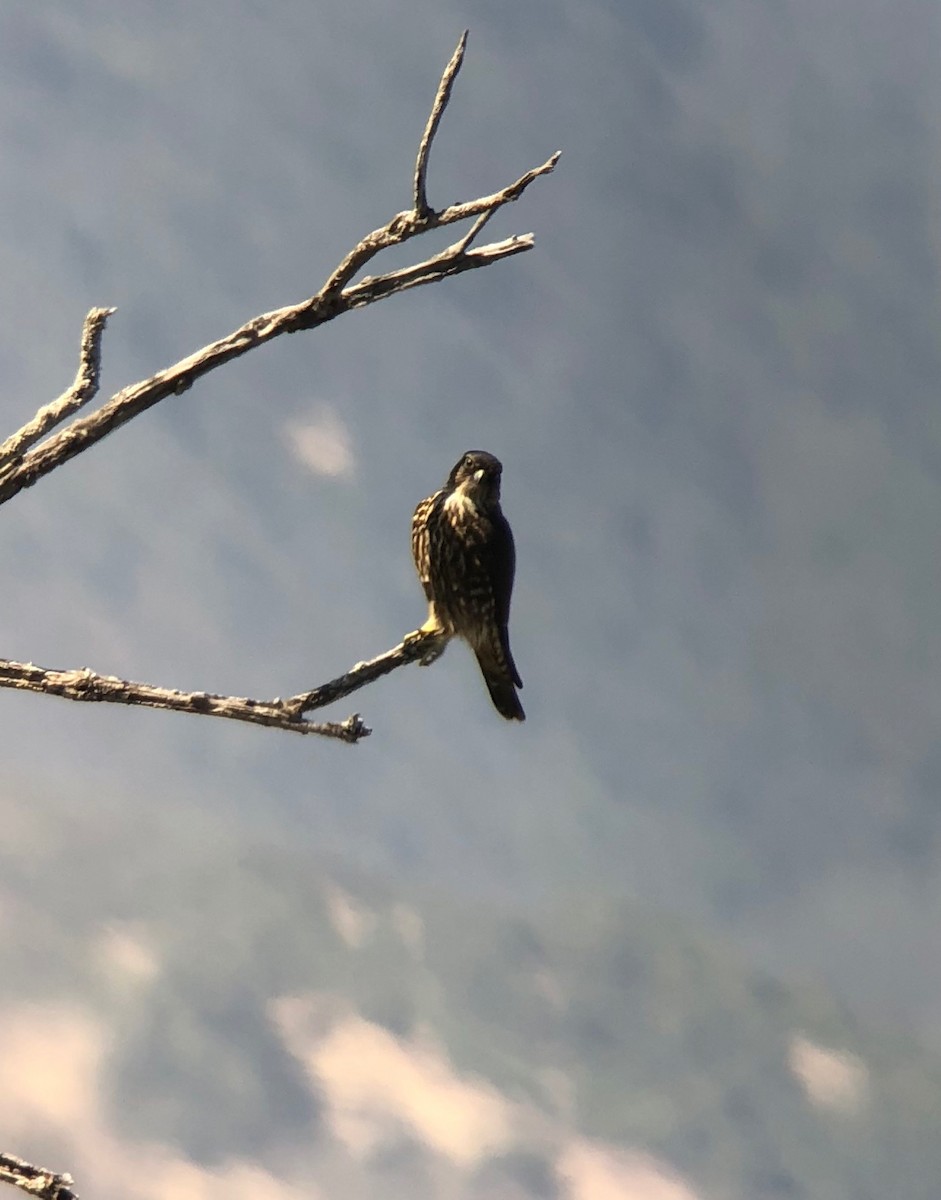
{"type": "Point", "coordinates": [247, 1001]}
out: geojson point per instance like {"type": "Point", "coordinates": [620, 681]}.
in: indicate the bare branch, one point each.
{"type": "Point", "coordinates": [406, 225]}
{"type": "Point", "coordinates": [437, 112]}
{"type": "Point", "coordinates": [418, 646]}
{"type": "Point", "coordinates": [82, 390]}
{"type": "Point", "coordinates": [36, 1181]}
{"type": "Point", "coordinates": [451, 261]}
{"type": "Point", "coordinates": [317, 310]}
{"type": "Point", "coordinates": [85, 685]}
{"type": "Point", "coordinates": [470, 208]}
{"type": "Point", "coordinates": [21, 467]}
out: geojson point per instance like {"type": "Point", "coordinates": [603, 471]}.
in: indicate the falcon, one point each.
{"type": "Point", "coordinates": [464, 554]}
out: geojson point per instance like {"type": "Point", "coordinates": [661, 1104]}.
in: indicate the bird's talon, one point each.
{"type": "Point", "coordinates": [432, 655]}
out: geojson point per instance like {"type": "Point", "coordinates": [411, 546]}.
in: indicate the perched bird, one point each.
{"type": "Point", "coordinates": [464, 553]}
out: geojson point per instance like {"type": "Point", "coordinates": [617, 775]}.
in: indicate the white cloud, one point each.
{"type": "Point", "coordinates": [375, 1084]}
{"type": "Point", "coordinates": [831, 1078]}
{"type": "Point", "coordinates": [322, 443]}
{"type": "Point", "coordinates": [51, 1075]}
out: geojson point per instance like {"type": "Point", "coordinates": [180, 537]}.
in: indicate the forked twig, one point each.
{"type": "Point", "coordinates": [82, 390]}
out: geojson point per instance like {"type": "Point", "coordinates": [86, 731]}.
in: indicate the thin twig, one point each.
{"type": "Point", "coordinates": [449, 262]}
{"type": "Point", "coordinates": [470, 208]}
{"type": "Point", "coordinates": [478, 225]}
{"type": "Point", "coordinates": [82, 390]}
{"type": "Point", "coordinates": [416, 646]}
{"type": "Point", "coordinates": [442, 96]}
{"type": "Point", "coordinates": [36, 1181]}
{"type": "Point", "coordinates": [85, 685]}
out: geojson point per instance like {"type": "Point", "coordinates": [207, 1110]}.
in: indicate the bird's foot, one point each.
{"type": "Point", "coordinates": [436, 640]}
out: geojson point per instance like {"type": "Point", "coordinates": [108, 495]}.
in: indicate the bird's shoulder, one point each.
{"type": "Point", "coordinates": [425, 508]}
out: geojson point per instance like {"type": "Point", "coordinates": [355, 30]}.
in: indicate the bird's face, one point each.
{"type": "Point", "coordinates": [477, 476]}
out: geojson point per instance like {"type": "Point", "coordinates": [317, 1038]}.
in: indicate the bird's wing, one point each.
{"type": "Point", "coordinates": [501, 565]}
{"type": "Point", "coordinates": [420, 541]}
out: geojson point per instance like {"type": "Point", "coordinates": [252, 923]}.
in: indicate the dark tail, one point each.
{"type": "Point", "coordinates": [501, 678]}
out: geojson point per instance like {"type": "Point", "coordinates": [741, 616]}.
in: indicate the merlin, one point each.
{"type": "Point", "coordinates": [464, 553]}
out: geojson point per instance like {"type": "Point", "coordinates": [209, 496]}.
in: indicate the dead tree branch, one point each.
{"type": "Point", "coordinates": [35, 1181]}
{"type": "Point", "coordinates": [442, 97]}
{"type": "Point", "coordinates": [290, 714]}
{"type": "Point", "coordinates": [23, 462]}
{"type": "Point", "coordinates": [82, 390]}
{"type": "Point", "coordinates": [21, 467]}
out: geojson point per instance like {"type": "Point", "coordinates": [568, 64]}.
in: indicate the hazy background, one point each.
{"type": "Point", "coordinates": [713, 385]}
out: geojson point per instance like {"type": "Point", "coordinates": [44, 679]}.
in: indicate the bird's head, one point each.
{"type": "Point", "coordinates": [477, 475]}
